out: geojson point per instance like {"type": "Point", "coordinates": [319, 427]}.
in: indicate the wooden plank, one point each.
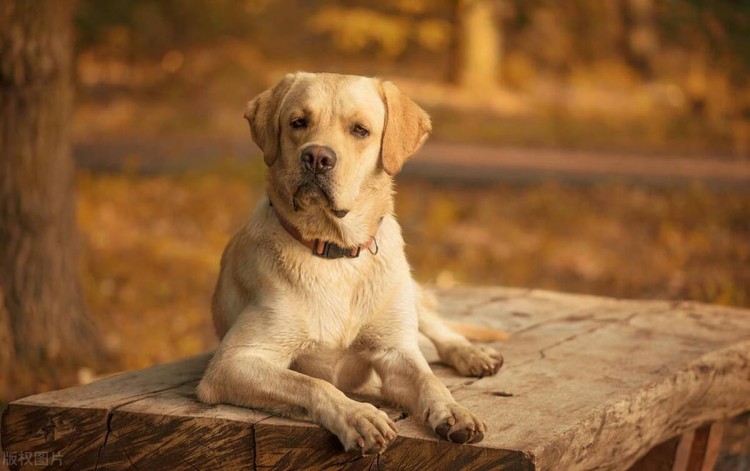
{"type": "Point", "coordinates": [73, 435]}
{"type": "Point", "coordinates": [713, 447]}
{"type": "Point", "coordinates": [659, 458]}
{"type": "Point", "coordinates": [588, 383]}
{"type": "Point", "coordinates": [288, 444]}
{"type": "Point", "coordinates": [698, 449]}
{"type": "Point", "coordinates": [73, 423]}
{"type": "Point", "coordinates": [683, 452]}
{"type": "Point", "coordinates": [172, 430]}
{"type": "Point", "coordinates": [124, 387]}
{"type": "Point", "coordinates": [613, 372]}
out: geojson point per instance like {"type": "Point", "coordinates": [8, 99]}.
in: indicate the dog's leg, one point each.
{"type": "Point", "coordinates": [248, 370]}
{"type": "Point", "coordinates": [453, 348]}
{"type": "Point", "coordinates": [408, 381]}
{"type": "Point", "coordinates": [353, 373]}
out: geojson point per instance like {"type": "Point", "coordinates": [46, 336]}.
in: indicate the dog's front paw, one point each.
{"type": "Point", "coordinates": [455, 423]}
{"type": "Point", "coordinates": [473, 360]}
{"type": "Point", "coordinates": [364, 427]}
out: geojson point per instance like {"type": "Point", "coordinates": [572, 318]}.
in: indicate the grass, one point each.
{"type": "Point", "coordinates": [152, 246]}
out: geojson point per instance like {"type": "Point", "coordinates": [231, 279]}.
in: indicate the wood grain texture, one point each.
{"type": "Point", "coordinates": [588, 383]}
{"type": "Point", "coordinates": [284, 444]}
{"type": "Point", "coordinates": [75, 421]}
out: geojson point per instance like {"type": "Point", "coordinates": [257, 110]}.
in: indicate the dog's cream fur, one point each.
{"type": "Point", "coordinates": [298, 330]}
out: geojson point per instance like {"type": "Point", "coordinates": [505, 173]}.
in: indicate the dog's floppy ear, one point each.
{"type": "Point", "coordinates": [262, 114]}
{"type": "Point", "coordinates": [407, 127]}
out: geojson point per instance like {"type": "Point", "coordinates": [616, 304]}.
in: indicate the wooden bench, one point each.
{"type": "Point", "coordinates": [588, 383]}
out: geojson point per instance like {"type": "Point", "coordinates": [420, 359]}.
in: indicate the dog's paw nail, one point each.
{"type": "Point", "coordinates": [373, 450]}
{"type": "Point", "coordinates": [442, 430]}
{"type": "Point", "coordinates": [460, 436]}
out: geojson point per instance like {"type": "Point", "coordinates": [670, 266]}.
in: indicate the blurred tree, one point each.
{"type": "Point", "coordinates": [354, 29]}
{"type": "Point", "coordinates": [477, 44]}
{"type": "Point", "coordinates": [641, 36]}
{"type": "Point", "coordinates": [389, 28]}
{"type": "Point", "coordinates": [145, 28]}
{"type": "Point", "coordinates": [44, 326]}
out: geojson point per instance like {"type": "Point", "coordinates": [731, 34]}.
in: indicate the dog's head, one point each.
{"type": "Point", "coordinates": [330, 140]}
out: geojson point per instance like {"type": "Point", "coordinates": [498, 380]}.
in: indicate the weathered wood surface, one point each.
{"type": "Point", "coordinates": [588, 383]}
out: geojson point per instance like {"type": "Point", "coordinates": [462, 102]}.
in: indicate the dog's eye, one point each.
{"type": "Point", "coordinates": [360, 131]}
{"type": "Point", "coordinates": [298, 123]}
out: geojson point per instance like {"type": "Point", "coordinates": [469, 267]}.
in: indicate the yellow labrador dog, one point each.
{"type": "Point", "coordinates": [315, 296]}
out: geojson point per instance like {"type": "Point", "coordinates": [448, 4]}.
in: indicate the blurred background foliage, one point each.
{"type": "Point", "coordinates": [645, 77]}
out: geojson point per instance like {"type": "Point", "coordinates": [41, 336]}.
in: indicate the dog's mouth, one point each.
{"type": "Point", "coordinates": [314, 192]}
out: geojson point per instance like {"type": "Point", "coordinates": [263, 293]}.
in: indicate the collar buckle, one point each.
{"type": "Point", "coordinates": [330, 250]}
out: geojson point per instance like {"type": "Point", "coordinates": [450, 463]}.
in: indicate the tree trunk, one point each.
{"type": "Point", "coordinates": [477, 45]}
{"type": "Point", "coordinates": [41, 305]}
{"type": "Point", "coordinates": [641, 36]}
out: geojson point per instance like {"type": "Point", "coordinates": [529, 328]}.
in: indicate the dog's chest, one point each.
{"type": "Point", "coordinates": [342, 300]}
{"type": "Point", "coordinates": [335, 320]}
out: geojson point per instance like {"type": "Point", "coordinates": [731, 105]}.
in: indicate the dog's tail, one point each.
{"type": "Point", "coordinates": [427, 307]}
{"type": "Point", "coordinates": [478, 333]}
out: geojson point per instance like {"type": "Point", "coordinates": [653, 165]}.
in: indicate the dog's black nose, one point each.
{"type": "Point", "coordinates": [318, 159]}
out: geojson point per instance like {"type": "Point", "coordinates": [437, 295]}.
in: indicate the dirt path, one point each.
{"type": "Point", "coordinates": [469, 163]}
{"type": "Point", "coordinates": [483, 163]}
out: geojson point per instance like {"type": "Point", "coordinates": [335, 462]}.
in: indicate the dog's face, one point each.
{"type": "Point", "coordinates": [325, 137]}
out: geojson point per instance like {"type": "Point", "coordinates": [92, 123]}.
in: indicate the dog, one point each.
{"type": "Point", "coordinates": [315, 297]}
